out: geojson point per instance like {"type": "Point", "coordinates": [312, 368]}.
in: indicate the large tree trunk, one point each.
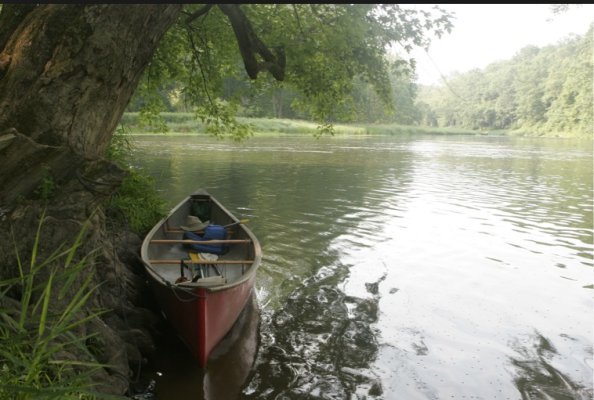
{"type": "Point", "coordinates": [67, 73]}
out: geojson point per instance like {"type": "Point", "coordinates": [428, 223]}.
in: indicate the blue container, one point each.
{"type": "Point", "coordinates": [211, 232]}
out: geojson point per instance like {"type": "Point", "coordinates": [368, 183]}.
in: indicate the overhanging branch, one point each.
{"type": "Point", "coordinates": [198, 13]}
{"type": "Point", "coordinates": [250, 45]}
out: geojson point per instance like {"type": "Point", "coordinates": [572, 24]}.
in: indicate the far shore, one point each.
{"type": "Point", "coordinates": [180, 124]}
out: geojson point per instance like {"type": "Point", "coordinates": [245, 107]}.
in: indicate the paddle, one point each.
{"type": "Point", "coordinates": [241, 221]}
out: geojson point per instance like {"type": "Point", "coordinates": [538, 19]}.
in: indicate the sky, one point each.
{"type": "Point", "coordinates": [485, 33]}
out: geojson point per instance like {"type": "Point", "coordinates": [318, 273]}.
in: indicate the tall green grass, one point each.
{"type": "Point", "coordinates": [403, 130]}
{"type": "Point", "coordinates": [136, 202]}
{"type": "Point", "coordinates": [40, 329]}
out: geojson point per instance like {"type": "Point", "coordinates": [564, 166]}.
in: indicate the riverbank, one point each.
{"type": "Point", "coordinates": [77, 315]}
{"type": "Point", "coordinates": [186, 123]}
{"type": "Point", "coordinates": [177, 123]}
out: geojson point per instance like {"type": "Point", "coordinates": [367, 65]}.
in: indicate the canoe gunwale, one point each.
{"type": "Point", "coordinates": [184, 286]}
{"type": "Point", "coordinates": [200, 313]}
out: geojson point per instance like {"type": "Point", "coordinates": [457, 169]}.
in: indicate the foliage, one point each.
{"type": "Point", "coordinates": [136, 201]}
{"type": "Point", "coordinates": [326, 47]}
{"type": "Point", "coordinates": [36, 340]}
{"type": "Point", "coordinates": [47, 186]}
{"type": "Point", "coordinates": [540, 90]}
{"type": "Point", "coordinates": [558, 9]}
{"type": "Point", "coordinates": [120, 147]}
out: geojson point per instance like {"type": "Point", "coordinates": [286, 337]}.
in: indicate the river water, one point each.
{"type": "Point", "coordinates": [424, 267]}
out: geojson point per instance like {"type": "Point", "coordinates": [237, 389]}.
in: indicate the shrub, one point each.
{"type": "Point", "coordinates": [136, 201]}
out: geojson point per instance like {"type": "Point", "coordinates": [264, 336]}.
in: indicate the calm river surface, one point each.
{"type": "Point", "coordinates": [398, 268]}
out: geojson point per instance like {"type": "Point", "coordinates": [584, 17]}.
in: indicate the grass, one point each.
{"type": "Point", "coordinates": [291, 126]}
{"type": "Point", "coordinates": [136, 202]}
{"type": "Point", "coordinates": [185, 123]}
{"type": "Point", "coordinates": [396, 129]}
{"type": "Point", "coordinates": [179, 123]}
{"type": "Point", "coordinates": [37, 337]}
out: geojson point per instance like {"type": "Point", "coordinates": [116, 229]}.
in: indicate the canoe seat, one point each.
{"type": "Point", "coordinates": [201, 276]}
{"type": "Point", "coordinates": [209, 281]}
{"type": "Point", "coordinates": [196, 257]}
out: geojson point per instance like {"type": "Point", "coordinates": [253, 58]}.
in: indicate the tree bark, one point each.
{"type": "Point", "coordinates": [71, 70]}
{"type": "Point", "coordinates": [67, 73]}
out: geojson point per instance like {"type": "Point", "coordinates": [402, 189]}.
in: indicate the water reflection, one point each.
{"type": "Point", "coordinates": [406, 268]}
{"type": "Point", "coordinates": [177, 375]}
{"type": "Point", "coordinates": [536, 376]}
{"type": "Point", "coordinates": [322, 346]}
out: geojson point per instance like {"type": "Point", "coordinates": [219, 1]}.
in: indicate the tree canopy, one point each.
{"type": "Point", "coordinates": [540, 90]}
{"type": "Point", "coordinates": [317, 51]}
{"type": "Point", "coordinates": [68, 72]}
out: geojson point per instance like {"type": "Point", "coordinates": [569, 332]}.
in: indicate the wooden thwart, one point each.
{"type": "Point", "coordinates": [179, 230]}
{"type": "Point", "coordinates": [209, 281]}
{"type": "Point", "coordinates": [188, 241]}
{"type": "Point", "coordinates": [176, 262]}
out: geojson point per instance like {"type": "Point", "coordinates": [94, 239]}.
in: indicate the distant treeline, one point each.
{"type": "Point", "coordinates": [540, 91]}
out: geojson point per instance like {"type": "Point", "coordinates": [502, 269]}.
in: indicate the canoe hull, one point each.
{"type": "Point", "coordinates": [202, 317]}
{"type": "Point", "coordinates": [201, 310]}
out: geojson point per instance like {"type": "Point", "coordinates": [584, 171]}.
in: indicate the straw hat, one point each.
{"type": "Point", "coordinates": [194, 224]}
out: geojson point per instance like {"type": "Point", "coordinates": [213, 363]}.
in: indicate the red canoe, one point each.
{"type": "Point", "coordinates": [201, 294]}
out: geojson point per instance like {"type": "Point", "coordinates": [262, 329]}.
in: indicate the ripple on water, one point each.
{"type": "Point", "coordinates": [429, 267]}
